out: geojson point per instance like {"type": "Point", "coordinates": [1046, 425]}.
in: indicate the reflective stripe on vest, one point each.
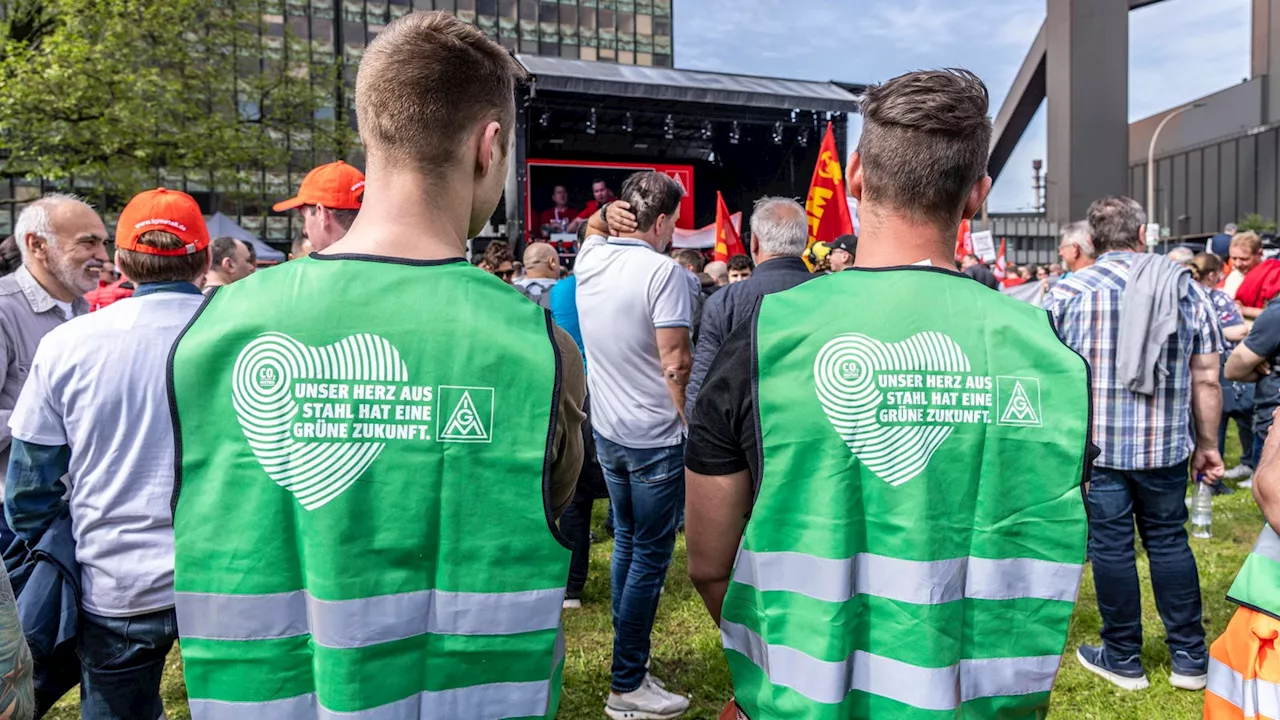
{"type": "Point", "coordinates": [477, 702]}
{"type": "Point", "coordinates": [942, 688]}
{"type": "Point", "coordinates": [366, 621]}
{"type": "Point", "coordinates": [1268, 544]}
{"type": "Point", "coordinates": [921, 583]}
{"type": "Point", "coordinates": [1253, 697]}
{"type": "Point", "coordinates": [1257, 585]}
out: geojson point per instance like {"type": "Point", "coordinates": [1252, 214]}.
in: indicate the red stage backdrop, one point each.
{"type": "Point", "coordinates": [682, 174]}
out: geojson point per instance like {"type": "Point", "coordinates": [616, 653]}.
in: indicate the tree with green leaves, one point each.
{"type": "Point", "coordinates": [123, 91]}
{"type": "Point", "coordinates": [1256, 223]}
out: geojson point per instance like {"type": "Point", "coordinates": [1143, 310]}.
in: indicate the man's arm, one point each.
{"type": "Point", "coordinates": [33, 488]}
{"type": "Point", "coordinates": [619, 220]}
{"type": "Point", "coordinates": [709, 340]}
{"type": "Point", "coordinates": [1249, 313]}
{"type": "Point", "coordinates": [715, 516]}
{"type": "Point", "coordinates": [677, 361]}
{"type": "Point", "coordinates": [566, 462]}
{"type": "Point", "coordinates": [1206, 406]}
{"type": "Point", "coordinates": [1235, 333]}
{"type": "Point", "coordinates": [17, 694]}
{"type": "Point", "coordinates": [1244, 365]}
{"type": "Point", "coordinates": [6, 352]}
{"type": "Point", "coordinates": [1266, 479]}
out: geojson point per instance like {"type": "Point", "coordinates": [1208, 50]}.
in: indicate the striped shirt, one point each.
{"type": "Point", "coordinates": [1134, 432]}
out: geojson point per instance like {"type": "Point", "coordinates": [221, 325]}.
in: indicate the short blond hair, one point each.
{"type": "Point", "coordinates": [425, 83]}
{"type": "Point", "coordinates": [1247, 240]}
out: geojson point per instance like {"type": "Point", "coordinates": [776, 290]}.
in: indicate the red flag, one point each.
{"type": "Point", "coordinates": [827, 205]}
{"type": "Point", "coordinates": [964, 242]}
{"type": "Point", "coordinates": [728, 242]}
{"type": "Point", "coordinates": [1002, 266]}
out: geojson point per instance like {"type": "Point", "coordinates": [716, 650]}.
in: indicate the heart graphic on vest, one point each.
{"type": "Point", "coordinates": [263, 395]}
{"type": "Point", "coordinates": [848, 375]}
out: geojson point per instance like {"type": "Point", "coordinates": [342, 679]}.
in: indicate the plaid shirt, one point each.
{"type": "Point", "coordinates": [1134, 432]}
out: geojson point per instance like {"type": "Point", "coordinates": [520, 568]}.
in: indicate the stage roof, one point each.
{"type": "Point", "coordinates": [599, 78]}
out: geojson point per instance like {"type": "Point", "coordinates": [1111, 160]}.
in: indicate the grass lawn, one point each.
{"type": "Point", "coordinates": [686, 646]}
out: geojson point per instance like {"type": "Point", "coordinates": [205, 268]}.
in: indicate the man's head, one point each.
{"type": "Point", "coordinates": [498, 260]}
{"type": "Point", "coordinates": [779, 228]}
{"type": "Point", "coordinates": [1076, 246]}
{"type": "Point", "coordinates": [739, 268]}
{"type": "Point", "coordinates": [691, 260]}
{"type": "Point", "coordinates": [655, 201]}
{"type": "Point", "coordinates": [161, 237]}
{"type": "Point", "coordinates": [1229, 228]}
{"type": "Point", "coordinates": [844, 250]}
{"type": "Point", "coordinates": [969, 261]}
{"type": "Point", "coordinates": [560, 196]}
{"type": "Point", "coordinates": [107, 273]}
{"type": "Point", "coordinates": [231, 261]}
{"type": "Point", "coordinates": [600, 191]}
{"type": "Point", "coordinates": [1246, 251]}
{"type": "Point", "coordinates": [63, 244]}
{"type": "Point", "coordinates": [1181, 255]}
{"type": "Point", "coordinates": [1042, 272]}
{"type": "Point", "coordinates": [328, 201]}
{"type": "Point", "coordinates": [923, 150]}
{"type": "Point", "coordinates": [1117, 223]}
{"type": "Point", "coordinates": [541, 261]}
{"type": "Point", "coordinates": [1055, 270]}
{"type": "Point", "coordinates": [719, 271]}
{"type": "Point", "coordinates": [436, 98]}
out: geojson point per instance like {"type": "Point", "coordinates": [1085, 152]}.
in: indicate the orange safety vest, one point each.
{"type": "Point", "coordinates": [1244, 663]}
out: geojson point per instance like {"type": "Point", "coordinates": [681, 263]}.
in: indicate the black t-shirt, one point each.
{"type": "Point", "coordinates": [1264, 341]}
{"type": "Point", "coordinates": [724, 434]}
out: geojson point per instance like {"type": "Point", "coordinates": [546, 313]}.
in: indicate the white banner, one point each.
{"type": "Point", "coordinates": [984, 245]}
{"type": "Point", "coordinates": [704, 238]}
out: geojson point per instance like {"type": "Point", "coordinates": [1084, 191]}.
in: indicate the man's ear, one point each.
{"type": "Point", "coordinates": [977, 196]}
{"type": "Point", "coordinates": [854, 176]}
{"type": "Point", "coordinates": [489, 150]}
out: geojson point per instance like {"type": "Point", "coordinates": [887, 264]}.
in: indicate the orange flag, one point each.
{"type": "Point", "coordinates": [728, 242]}
{"type": "Point", "coordinates": [826, 205]}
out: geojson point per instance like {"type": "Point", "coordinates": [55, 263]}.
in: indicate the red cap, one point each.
{"type": "Point", "coordinates": [337, 186]}
{"type": "Point", "coordinates": [171, 211]}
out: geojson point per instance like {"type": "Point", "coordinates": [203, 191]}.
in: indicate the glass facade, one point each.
{"type": "Point", "coordinates": [621, 31]}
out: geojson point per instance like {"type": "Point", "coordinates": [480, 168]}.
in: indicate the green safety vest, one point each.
{"type": "Point", "coordinates": [363, 452]}
{"type": "Point", "coordinates": [919, 531]}
{"type": "Point", "coordinates": [1257, 585]}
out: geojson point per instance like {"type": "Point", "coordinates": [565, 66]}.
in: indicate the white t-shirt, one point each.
{"type": "Point", "coordinates": [97, 384]}
{"type": "Point", "coordinates": [1232, 285]}
{"type": "Point", "coordinates": [626, 291]}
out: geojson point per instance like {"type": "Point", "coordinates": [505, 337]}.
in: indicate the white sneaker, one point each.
{"type": "Point", "coordinates": [1238, 472]}
{"type": "Point", "coordinates": [1245, 484]}
{"type": "Point", "coordinates": [647, 702]}
{"type": "Point", "coordinates": [571, 604]}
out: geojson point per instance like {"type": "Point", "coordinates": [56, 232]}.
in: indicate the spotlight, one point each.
{"type": "Point", "coordinates": [591, 123]}
{"type": "Point", "coordinates": [629, 124]}
{"type": "Point", "coordinates": [706, 129]}
{"type": "Point", "coordinates": [669, 128]}
{"type": "Point", "coordinates": [734, 133]}
{"type": "Point", "coordinates": [545, 120]}
{"type": "Point", "coordinates": [777, 133]}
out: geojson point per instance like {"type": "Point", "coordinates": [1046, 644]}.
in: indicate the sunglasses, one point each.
{"type": "Point", "coordinates": [505, 274]}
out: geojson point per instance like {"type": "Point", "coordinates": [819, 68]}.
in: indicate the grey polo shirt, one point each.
{"type": "Point", "coordinates": [27, 313]}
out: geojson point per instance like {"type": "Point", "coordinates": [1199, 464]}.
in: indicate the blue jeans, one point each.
{"type": "Point", "coordinates": [1156, 499]}
{"type": "Point", "coordinates": [646, 490]}
{"type": "Point", "coordinates": [122, 661]}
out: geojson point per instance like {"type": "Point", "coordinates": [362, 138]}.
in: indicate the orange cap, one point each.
{"type": "Point", "coordinates": [337, 186]}
{"type": "Point", "coordinates": [171, 211]}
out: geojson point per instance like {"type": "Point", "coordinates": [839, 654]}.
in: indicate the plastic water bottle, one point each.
{"type": "Point", "coordinates": [1202, 510]}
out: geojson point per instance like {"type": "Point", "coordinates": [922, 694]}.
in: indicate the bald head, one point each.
{"type": "Point", "coordinates": [719, 271]}
{"type": "Point", "coordinates": [541, 261]}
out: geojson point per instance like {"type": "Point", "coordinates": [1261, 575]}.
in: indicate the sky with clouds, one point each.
{"type": "Point", "coordinates": [1179, 50]}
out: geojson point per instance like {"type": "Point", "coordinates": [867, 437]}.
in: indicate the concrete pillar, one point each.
{"type": "Point", "coordinates": [1265, 57]}
{"type": "Point", "coordinates": [1088, 93]}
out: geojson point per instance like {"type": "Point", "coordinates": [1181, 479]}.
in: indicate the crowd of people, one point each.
{"type": "Point", "coordinates": [343, 500]}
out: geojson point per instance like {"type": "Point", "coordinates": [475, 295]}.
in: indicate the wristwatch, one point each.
{"type": "Point", "coordinates": [603, 216]}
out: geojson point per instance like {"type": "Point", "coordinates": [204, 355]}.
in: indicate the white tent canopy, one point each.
{"type": "Point", "coordinates": [222, 226]}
